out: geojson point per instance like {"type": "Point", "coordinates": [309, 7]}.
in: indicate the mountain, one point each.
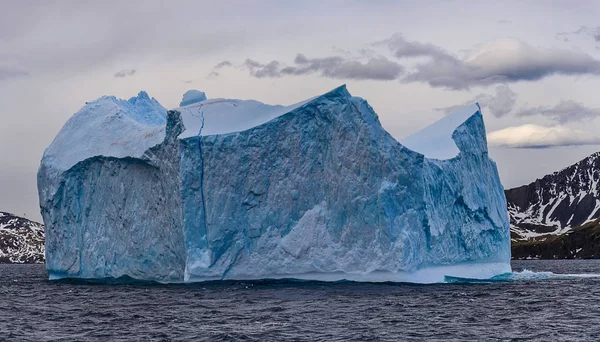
{"type": "Point", "coordinates": [581, 242]}
{"type": "Point", "coordinates": [238, 189]}
{"type": "Point", "coordinates": [556, 203]}
{"type": "Point", "coordinates": [21, 240]}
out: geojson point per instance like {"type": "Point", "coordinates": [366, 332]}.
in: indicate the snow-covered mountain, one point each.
{"type": "Point", "coordinates": [557, 202]}
{"type": "Point", "coordinates": [21, 240]}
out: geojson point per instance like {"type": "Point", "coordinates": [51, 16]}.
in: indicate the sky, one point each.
{"type": "Point", "coordinates": [533, 66]}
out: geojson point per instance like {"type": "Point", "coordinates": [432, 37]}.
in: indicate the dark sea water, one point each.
{"type": "Point", "coordinates": [534, 306]}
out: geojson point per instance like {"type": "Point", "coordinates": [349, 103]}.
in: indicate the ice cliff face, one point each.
{"type": "Point", "coordinates": [231, 189]}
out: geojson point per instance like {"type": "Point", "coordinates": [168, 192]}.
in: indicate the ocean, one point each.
{"type": "Point", "coordinates": [553, 300]}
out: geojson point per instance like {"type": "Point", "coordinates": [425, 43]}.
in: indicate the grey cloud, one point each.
{"type": "Point", "coordinates": [593, 32]}
{"type": "Point", "coordinates": [367, 53]}
{"type": "Point", "coordinates": [502, 61]}
{"type": "Point", "coordinates": [504, 21]}
{"type": "Point", "coordinates": [340, 68]}
{"type": "Point", "coordinates": [213, 74]}
{"type": "Point", "coordinates": [563, 112]}
{"type": "Point", "coordinates": [402, 48]}
{"type": "Point", "coordinates": [259, 70]}
{"type": "Point", "coordinates": [10, 72]}
{"type": "Point", "coordinates": [499, 104]}
{"type": "Point", "coordinates": [223, 64]}
{"type": "Point", "coordinates": [125, 73]}
{"type": "Point", "coordinates": [502, 102]}
{"type": "Point", "coordinates": [580, 30]}
{"type": "Point", "coordinates": [376, 68]}
{"type": "Point", "coordinates": [355, 54]}
{"type": "Point", "coordinates": [344, 52]}
{"type": "Point", "coordinates": [249, 63]}
{"type": "Point", "coordinates": [255, 68]}
{"type": "Point", "coordinates": [511, 65]}
{"type": "Point", "coordinates": [59, 37]}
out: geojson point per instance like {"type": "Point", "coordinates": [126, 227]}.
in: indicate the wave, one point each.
{"type": "Point", "coordinates": [525, 275]}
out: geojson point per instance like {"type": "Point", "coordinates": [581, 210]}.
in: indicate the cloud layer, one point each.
{"type": "Point", "coordinates": [503, 102]}
{"type": "Point", "coordinates": [499, 104]}
{"type": "Point", "coordinates": [502, 61]}
{"type": "Point", "coordinates": [563, 112]}
{"type": "Point", "coordinates": [535, 136]}
{"type": "Point", "coordinates": [336, 67]}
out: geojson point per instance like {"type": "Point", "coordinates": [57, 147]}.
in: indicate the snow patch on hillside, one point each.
{"type": "Point", "coordinates": [21, 240]}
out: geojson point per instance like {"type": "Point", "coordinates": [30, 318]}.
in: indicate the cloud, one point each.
{"type": "Point", "coordinates": [7, 72]}
{"type": "Point", "coordinates": [499, 62]}
{"type": "Point", "coordinates": [60, 37]}
{"type": "Point", "coordinates": [499, 104]}
{"type": "Point", "coordinates": [535, 136]}
{"type": "Point", "coordinates": [503, 102]}
{"type": "Point", "coordinates": [223, 64]}
{"type": "Point", "coordinates": [503, 21]}
{"type": "Point", "coordinates": [125, 73]}
{"type": "Point", "coordinates": [214, 73]}
{"type": "Point", "coordinates": [502, 61]}
{"type": "Point", "coordinates": [402, 48]}
{"type": "Point", "coordinates": [336, 67]}
{"type": "Point", "coordinates": [564, 111]}
{"type": "Point", "coordinates": [259, 70]}
{"type": "Point", "coordinates": [593, 32]}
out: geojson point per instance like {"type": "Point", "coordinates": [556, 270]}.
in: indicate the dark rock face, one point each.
{"type": "Point", "coordinates": [557, 202]}
{"type": "Point", "coordinates": [580, 243]}
{"type": "Point", "coordinates": [21, 240]}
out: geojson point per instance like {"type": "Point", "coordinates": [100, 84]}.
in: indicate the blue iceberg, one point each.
{"type": "Point", "coordinates": [237, 189]}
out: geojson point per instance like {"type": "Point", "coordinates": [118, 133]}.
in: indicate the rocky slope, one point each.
{"type": "Point", "coordinates": [580, 242]}
{"type": "Point", "coordinates": [557, 216]}
{"type": "Point", "coordinates": [21, 240]}
{"type": "Point", "coordinates": [556, 203]}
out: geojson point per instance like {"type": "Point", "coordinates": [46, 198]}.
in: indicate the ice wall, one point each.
{"type": "Point", "coordinates": [317, 190]}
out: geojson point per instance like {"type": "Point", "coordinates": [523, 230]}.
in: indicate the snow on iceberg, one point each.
{"type": "Point", "coordinates": [437, 141]}
{"type": "Point", "coordinates": [234, 189]}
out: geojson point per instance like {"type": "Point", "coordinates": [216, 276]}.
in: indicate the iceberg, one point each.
{"type": "Point", "coordinates": [237, 189]}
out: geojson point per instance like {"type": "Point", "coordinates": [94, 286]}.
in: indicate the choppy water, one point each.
{"type": "Point", "coordinates": [532, 305]}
